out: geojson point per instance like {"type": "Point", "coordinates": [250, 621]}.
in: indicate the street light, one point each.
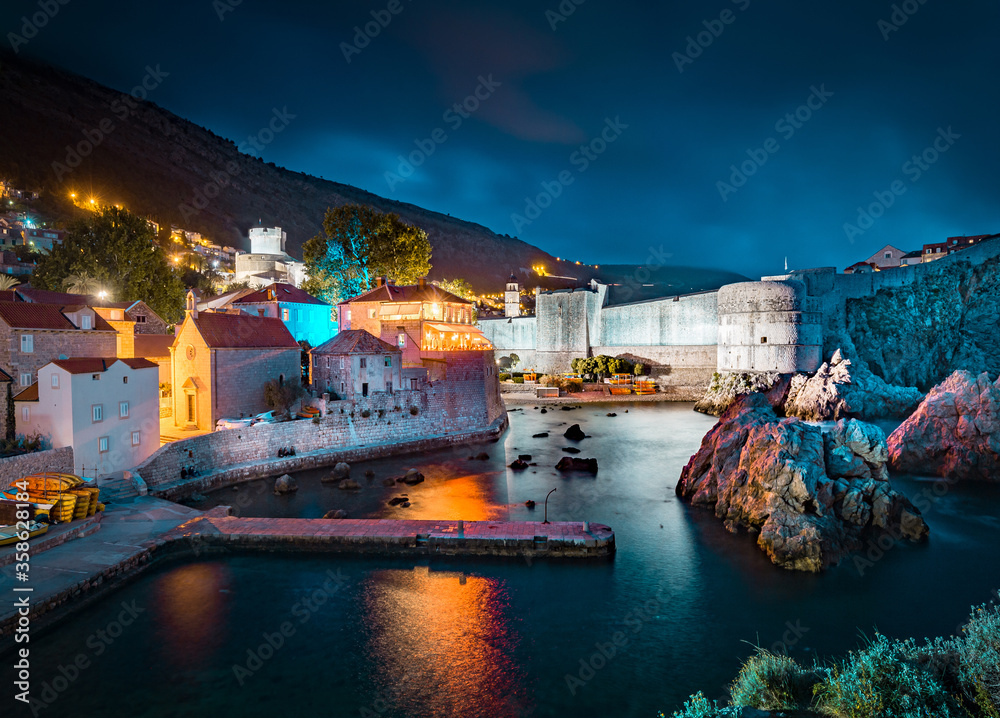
{"type": "Point", "coordinates": [547, 507]}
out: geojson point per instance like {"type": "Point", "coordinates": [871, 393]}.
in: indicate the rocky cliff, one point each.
{"type": "Point", "coordinates": [917, 335]}
{"type": "Point", "coordinates": [955, 433]}
{"type": "Point", "coordinates": [810, 498]}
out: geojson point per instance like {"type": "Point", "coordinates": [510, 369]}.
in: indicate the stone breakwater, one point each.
{"type": "Point", "coordinates": [216, 532]}
{"type": "Point", "coordinates": [810, 498]}
{"type": "Point", "coordinates": [955, 433]}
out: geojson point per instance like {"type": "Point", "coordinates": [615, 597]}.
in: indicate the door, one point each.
{"type": "Point", "coordinates": [190, 409]}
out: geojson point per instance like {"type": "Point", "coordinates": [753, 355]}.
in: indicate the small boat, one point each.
{"type": "Point", "coordinates": [645, 386]}
{"type": "Point", "coordinates": [9, 534]}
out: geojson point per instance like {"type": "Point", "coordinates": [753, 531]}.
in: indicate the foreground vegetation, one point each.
{"type": "Point", "coordinates": [958, 677]}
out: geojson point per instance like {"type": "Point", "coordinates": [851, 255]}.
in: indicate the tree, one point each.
{"type": "Point", "coordinates": [235, 287]}
{"type": "Point", "coordinates": [7, 282]}
{"type": "Point", "coordinates": [304, 359]}
{"type": "Point", "coordinates": [358, 244]}
{"type": "Point", "coordinates": [514, 360]}
{"type": "Point", "coordinates": [458, 287]}
{"type": "Point", "coordinates": [81, 284]}
{"type": "Point", "coordinates": [639, 368]}
{"type": "Point", "coordinates": [280, 395]}
{"type": "Point", "coordinates": [118, 249]}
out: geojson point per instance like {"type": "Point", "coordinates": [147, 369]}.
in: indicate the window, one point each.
{"type": "Point", "coordinates": [341, 387]}
{"type": "Point", "coordinates": [102, 444]}
{"type": "Point", "coordinates": [284, 315]}
{"type": "Point", "coordinates": [116, 313]}
{"type": "Point", "coordinates": [388, 361]}
{"type": "Point", "coordinates": [25, 413]}
{"type": "Point", "coordinates": [26, 379]}
{"type": "Point", "coordinates": [364, 389]}
{"type": "Point", "coordinates": [124, 380]}
{"type": "Point", "coordinates": [763, 340]}
{"type": "Point", "coordinates": [27, 343]}
{"type": "Point", "coordinates": [371, 313]}
{"type": "Point", "coordinates": [136, 438]}
{"type": "Point", "coordinates": [888, 255]}
{"type": "Point", "coordinates": [85, 321]}
{"type": "Point", "coordinates": [55, 380]}
{"type": "Point", "coordinates": [298, 315]}
{"type": "Point", "coordinates": [140, 318]}
{"type": "Point", "coordinates": [401, 340]}
{"type": "Point", "coordinates": [97, 412]}
{"type": "Point", "coordinates": [123, 410]}
{"type": "Point", "coordinates": [364, 363]}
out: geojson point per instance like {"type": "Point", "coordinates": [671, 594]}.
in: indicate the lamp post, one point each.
{"type": "Point", "coordinates": [547, 507]}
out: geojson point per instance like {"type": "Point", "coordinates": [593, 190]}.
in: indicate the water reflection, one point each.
{"type": "Point", "coordinates": [444, 641]}
{"type": "Point", "coordinates": [192, 601]}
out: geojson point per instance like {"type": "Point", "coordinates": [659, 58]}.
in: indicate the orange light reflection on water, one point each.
{"type": "Point", "coordinates": [192, 601]}
{"type": "Point", "coordinates": [457, 497]}
{"type": "Point", "coordinates": [444, 642]}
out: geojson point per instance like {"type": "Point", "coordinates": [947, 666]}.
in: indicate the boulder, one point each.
{"type": "Point", "coordinates": [388, 482]}
{"type": "Point", "coordinates": [574, 433]}
{"type": "Point", "coordinates": [571, 450]}
{"type": "Point", "coordinates": [524, 457]}
{"type": "Point", "coordinates": [611, 413]}
{"type": "Point", "coordinates": [348, 484]}
{"type": "Point", "coordinates": [412, 478]}
{"type": "Point", "coordinates": [571, 463]}
{"type": "Point", "coordinates": [340, 472]}
{"type": "Point", "coordinates": [544, 411]}
{"type": "Point", "coordinates": [838, 390]}
{"type": "Point", "coordinates": [954, 433]}
{"type": "Point", "coordinates": [369, 474]}
{"type": "Point", "coordinates": [397, 500]}
{"type": "Point", "coordinates": [335, 514]}
{"type": "Point", "coordinates": [811, 498]}
{"type": "Point", "coordinates": [530, 504]}
{"type": "Point", "coordinates": [482, 456]}
{"type": "Point", "coordinates": [285, 485]}
{"type": "Point", "coordinates": [519, 465]}
{"type": "Point", "coordinates": [543, 435]}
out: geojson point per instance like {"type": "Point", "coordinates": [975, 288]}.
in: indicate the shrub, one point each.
{"type": "Point", "coordinates": [518, 379]}
{"type": "Point", "coordinates": [698, 706]}
{"type": "Point", "coordinates": [505, 377]}
{"type": "Point", "coordinates": [414, 410]}
{"type": "Point", "coordinates": [568, 385]}
{"type": "Point", "coordinates": [884, 680]}
{"type": "Point", "coordinates": [639, 369]}
{"type": "Point", "coordinates": [773, 682]}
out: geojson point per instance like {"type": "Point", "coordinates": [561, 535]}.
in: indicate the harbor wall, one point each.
{"type": "Point", "coordinates": [14, 467]}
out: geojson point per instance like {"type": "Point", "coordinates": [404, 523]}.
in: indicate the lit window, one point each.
{"type": "Point", "coordinates": [371, 313]}
{"type": "Point", "coordinates": [102, 444]}
{"type": "Point", "coordinates": [284, 315]}
{"type": "Point", "coordinates": [123, 410]}
{"type": "Point", "coordinates": [27, 343]}
{"type": "Point", "coordinates": [85, 321]}
{"type": "Point", "coordinates": [136, 437]}
{"type": "Point", "coordinates": [55, 380]}
{"type": "Point", "coordinates": [401, 340]}
{"type": "Point", "coordinates": [97, 411]}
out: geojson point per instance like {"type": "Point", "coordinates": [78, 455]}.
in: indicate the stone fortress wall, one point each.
{"type": "Point", "coordinates": [777, 324]}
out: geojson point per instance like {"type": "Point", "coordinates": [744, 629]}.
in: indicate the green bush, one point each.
{"type": "Point", "coordinates": [505, 377]}
{"type": "Point", "coordinates": [773, 682]}
{"type": "Point", "coordinates": [698, 706]}
{"type": "Point", "coordinates": [518, 379]}
{"type": "Point", "coordinates": [884, 680]}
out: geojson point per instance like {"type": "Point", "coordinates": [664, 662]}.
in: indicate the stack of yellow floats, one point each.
{"type": "Point", "coordinates": [71, 497]}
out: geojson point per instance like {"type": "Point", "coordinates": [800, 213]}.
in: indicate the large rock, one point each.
{"type": "Point", "coordinates": [285, 485]}
{"type": "Point", "coordinates": [838, 390]}
{"type": "Point", "coordinates": [575, 433]}
{"type": "Point", "coordinates": [955, 433]}
{"type": "Point", "coordinates": [571, 463]}
{"type": "Point", "coordinates": [810, 498]}
{"type": "Point", "coordinates": [340, 472]}
{"type": "Point", "coordinates": [726, 387]}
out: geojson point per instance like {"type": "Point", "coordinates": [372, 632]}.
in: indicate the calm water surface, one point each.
{"type": "Point", "coordinates": [449, 637]}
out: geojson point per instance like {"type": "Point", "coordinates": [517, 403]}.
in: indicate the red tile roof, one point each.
{"type": "Point", "coordinates": [355, 341]}
{"type": "Point", "coordinates": [7, 296]}
{"type": "Point", "coordinates": [44, 296]}
{"type": "Point", "coordinates": [140, 363]}
{"type": "Point", "coordinates": [407, 293]}
{"type": "Point", "coordinates": [4, 376]}
{"type": "Point", "coordinates": [29, 394]}
{"type": "Point", "coordinates": [243, 331]}
{"type": "Point", "coordinates": [97, 365]}
{"type": "Point", "coordinates": [278, 292]}
{"type": "Point", "coordinates": [22, 315]}
{"type": "Point", "coordinates": [153, 345]}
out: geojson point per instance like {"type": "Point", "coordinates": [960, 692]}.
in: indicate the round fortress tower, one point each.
{"type": "Point", "coordinates": [768, 326]}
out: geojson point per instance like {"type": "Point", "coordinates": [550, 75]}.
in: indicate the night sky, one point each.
{"type": "Point", "coordinates": [679, 115]}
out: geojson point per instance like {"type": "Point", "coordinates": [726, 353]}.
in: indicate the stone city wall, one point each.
{"type": "Point", "coordinates": [468, 401]}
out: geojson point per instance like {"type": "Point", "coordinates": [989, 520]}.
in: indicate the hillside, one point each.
{"type": "Point", "coordinates": [162, 166]}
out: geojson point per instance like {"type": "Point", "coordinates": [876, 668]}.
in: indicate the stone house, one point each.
{"type": "Point", "coordinates": [107, 409]}
{"type": "Point", "coordinates": [32, 335]}
{"type": "Point", "coordinates": [888, 256]}
{"type": "Point", "coordinates": [307, 318]}
{"type": "Point", "coordinates": [221, 362]}
{"type": "Point", "coordinates": [422, 320]}
{"type": "Point", "coordinates": [144, 319]}
{"type": "Point", "coordinates": [355, 363]}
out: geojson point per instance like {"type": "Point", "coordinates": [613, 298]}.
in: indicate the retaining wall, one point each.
{"type": "Point", "coordinates": [14, 467]}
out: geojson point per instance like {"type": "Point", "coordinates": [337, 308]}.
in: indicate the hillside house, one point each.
{"type": "Point", "coordinates": [221, 362]}
{"type": "Point", "coordinates": [888, 256]}
{"type": "Point", "coordinates": [32, 335]}
{"type": "Point", "coordinates": [107, 409]}
{"type": "Point", "coordinates": [355, 363]}
{"type": "Point", "coordinates": [423, 320]}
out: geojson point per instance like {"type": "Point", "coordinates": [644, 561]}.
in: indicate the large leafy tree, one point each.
{"type": "Point", "coordinates": [359, 244]}
{"type": "Point", "coordinates": [117, 250]}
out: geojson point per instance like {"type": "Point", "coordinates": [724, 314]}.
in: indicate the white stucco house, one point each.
{"type": "Point", "coordinates": [108, 410]}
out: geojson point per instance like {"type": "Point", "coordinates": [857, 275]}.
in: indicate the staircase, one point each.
{"type": "Point", "coordinates": [116, 489]}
